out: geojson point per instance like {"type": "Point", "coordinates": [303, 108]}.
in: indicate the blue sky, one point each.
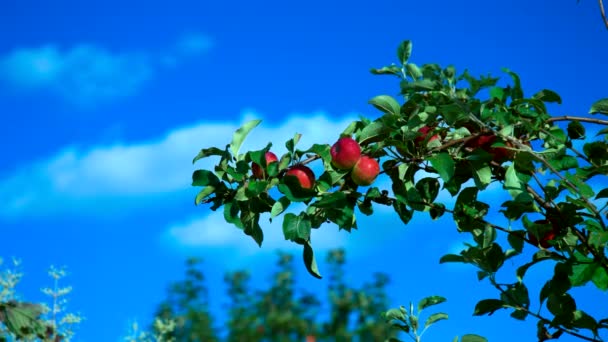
{"type": "Point", "coordinates": [104, 104]}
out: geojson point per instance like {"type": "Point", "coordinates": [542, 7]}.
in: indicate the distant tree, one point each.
{"type": "Point", "coordinates": [278, 312]}
{"type": "Point", "coordinates": [187, 306]}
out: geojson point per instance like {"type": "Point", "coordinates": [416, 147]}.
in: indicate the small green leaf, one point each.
{"type": "Point", "coordinates": [404, 51]}
{"type": "Point", "coordinates": [413, 70]}
{"type": "Point", "coordinates": [512, 183]}
{"type": "Point", "coordinates": [296, 227]}
{"type": "Point", "coordinates": [473, 338]}
{"type": "Point", "coordinates": [600, 278]}
{"type": "Point", "coordinates": [602, 194]}
{"type": "Point", "coordinates": [482, 175]}
{"type": "Point", "coordinates": [394, 314]}
{"type": "Point", "coordinates": [488, 307]}
{"type": "Point", "coordinates": [240, 134]}
{"type": "Point", "coordinates": [600, 106]}
{"type": "Point", "coordinates": [428, 189]}
{"type": "Point", "coordinates": [207, 152]}
{"type": "Point", "coordinates": [310, 262]}
{"type": "Point", "coordinates": [561, 304]}
{"type": "Point", "coordinates": [291, 143]}
{"type": "Point", "coordinates": [375, 131]}
{"type": "Point", "coordinates": [204, 178]}
{"type": "Point", "coordinates": [547, 95]}
{"type": "Point", "coordinates": [516, 240]}
{"type": "Point", "coordinates": [435, 318]}
{"type": "Point", "coordinates": [386, 104]}
{"type": "Point", "coordinates": [279, 206]}
{"type": "Point", "coordinates": [430, 301]}
{"type": "Point", "coordinates": [444, 164]}
{"type": "Point", "coordinates": [387, 70]}
{"type": "Point", "coordinates": [331, 200]}
{"type": "Point", "coordinates": [576, 130]}
{"type": "Point", "coordinates": [451, 258]}
{"type": "Point", "coordinates": [204, 194]}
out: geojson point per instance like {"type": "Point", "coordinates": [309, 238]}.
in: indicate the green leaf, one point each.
{"type": "Point", "coordinates": [231, 214]}
{"type": "Point", "coordinates": [291, 143]}
{"type": "Point", "coordinates": [602, 194]}
{"type": "Point", "coordinates": [435, 318]}
{"type": "Point", "coordinates": [512, 183]}
{"type": "Point", "coordinates": [547, 95]}
{"type": "Point", "coordinates": [331, 200]}
{"type": "Point", "coordinates": [430, 301]}
{"type": "Point", "coordinates": [444, 164]}
{"type": "Point", "coordinates": [600, 106]}
{"type": "Point", "coordinates": [375, 131]}
{"type": "Point", "coordinates": [576, 130]}
{"type": "Point", "coordinates": [473, 338]}
{"type": "Point", "coordinates": [310, 262]}
{"type": "Point", "coordinates": [424, 84]}
{"type": "Point", "coordinates": [404, 213]}
{"type": "Point", "coordinates": [451, 258]}
{"type": "Point", "coordinates": [488, 307]}
{"type": "Point", "coordinates": [482, 175]}
{"type": "Point", "coordinates": [23, 316]}
{"type": "Point", "coordinates": [516, 240]}
{"type": "Point", "coordinates": [394, 314]}
{"type": "Point", "coordinates": [600, 278]}
{"type": "Point", "coordinates": [239, 136]}
{"type": "Point", "coordinates": [386, 104]}
{"type": "Point", "coordinates": [497, 92]}
{"type": "Point", "coordinates": [279, 206]}
{"type": "Point", "coordinates": [252, 227]}
{"type": "Point", "coordinates": [204, 178]}
{"type": "Point", "coordinates": [404, 51]}
{"type": "Point", "coordinates": [582, 273]}
{"type": "Point", "coordinates": [413, 70]}
{"type": "Point", "coordinates": [207, 152]}
{"type": "Point", "coordinates": [296, 227]}
{"type": "Point", "coordinates": [561, 304]}
{"type": "Point", "coordinates": [204, 194]}
{"type": "Point", "coordinates": [387, 70]}
{"type": "Point", "coordinates": [516, 92]}
{"type": "Point", "coordinates": [428, 189]}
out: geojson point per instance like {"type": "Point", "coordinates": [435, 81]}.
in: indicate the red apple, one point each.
{"type": "Point", "coordinates": [305, 176]}
{"type": "Point", "coordinates": [425, 132]}
{"type": "Point", "coordinates": [258, 171]}
{"type": "Point", "coordinates": [345, 153]}
{"type": "Point", "coordinates": [544, 241]}
{"type": "Point", "coordinates": [499, 154]}
{"type": "Point", "coordinates": [365, 171]}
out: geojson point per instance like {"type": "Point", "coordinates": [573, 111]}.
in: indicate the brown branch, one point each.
{"type": "Point", "coordinates": [578, 118]}
{"type": "Point", "coordinates": [603, 13]}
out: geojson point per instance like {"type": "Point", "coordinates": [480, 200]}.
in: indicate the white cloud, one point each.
{"type": "Point", "coordinates": [83, 177]}
{"type": "Point", "coordinates": [86, 74]}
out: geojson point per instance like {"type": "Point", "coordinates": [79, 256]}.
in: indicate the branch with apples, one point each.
{"type": "Point", "coordinates": [444, 136]}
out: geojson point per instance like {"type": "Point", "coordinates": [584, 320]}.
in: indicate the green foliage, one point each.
{"type": "Point", "coordinates": [23, 321]}
{"type": "Point", "coordinates": [507, 138]}
{"type": "Point", "coordinates": [408, 321]}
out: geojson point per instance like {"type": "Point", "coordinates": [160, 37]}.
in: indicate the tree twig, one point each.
{"type": "Point", "coordinates": [578, 118]}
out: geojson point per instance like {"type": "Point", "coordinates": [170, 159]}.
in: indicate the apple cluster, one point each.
{"type": "Point", "coordinates": [346, 155]}
{"type": "Point", "coordinates": [303, 173]}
